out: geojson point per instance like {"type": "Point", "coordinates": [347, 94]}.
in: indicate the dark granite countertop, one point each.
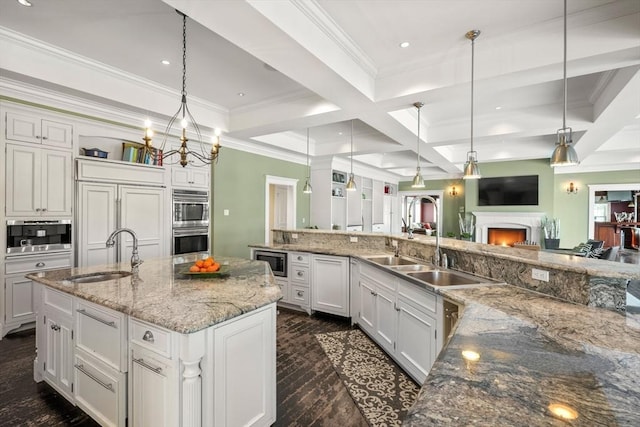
{"type": "Point", "coordinates": [534, 351]}
{"type": "Point", "coordinates": [162, 295]}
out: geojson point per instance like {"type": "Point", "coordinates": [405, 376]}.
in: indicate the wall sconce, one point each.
{"type": "Point", "coordinates": [572, 189]}
{"type": "Point", "coordinates": [453, 192]}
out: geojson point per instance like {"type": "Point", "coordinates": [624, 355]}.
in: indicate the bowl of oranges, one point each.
{"type": "Point", "coordinates": [205, 266]}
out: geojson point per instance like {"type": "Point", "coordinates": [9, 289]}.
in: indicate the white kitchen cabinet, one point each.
{"type": "Point", "coordinates": [378, 203]}
{"type": "Point", "coordinates": [354, 204]}
{"type": "Point", "coordinates": [152, 386]}
{"type": "Point", "coordinates": [55, 350]}
{"type": "Point", "coordinates": [190, 177]}
{"type": "Point", "coordinates": [103, 207]}
{"type": "Point", "coordinates": [401, 318]}
{"type": "Point", "coordinates": [299, 276]}
{"type": "Point", "coordinates": [39, 182]}
{"type": "Point", "coordinates": [19, 293]}
{"type": "Point", "coordinates": [283, 283]}
{"type": "Point", "coordinates": [37, 130]}
{"type": "Point", "coordinates": [244, 352]}
{"type": "Point", "coordinates": [330, 284]}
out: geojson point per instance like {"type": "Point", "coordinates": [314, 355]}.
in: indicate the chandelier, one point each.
{"type": "Point", "coordinates": [204, 153]}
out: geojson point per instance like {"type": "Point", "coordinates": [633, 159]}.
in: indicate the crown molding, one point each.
{"type": "Point", "coordinates": [316, 14]}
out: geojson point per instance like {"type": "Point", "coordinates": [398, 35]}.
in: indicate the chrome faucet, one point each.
{"type": "Point", "coordinates": [135, 259]}
{"type": "Point", "coordinates": [436, 256]}
{"type": "Point", "coordinates": [410, 224]}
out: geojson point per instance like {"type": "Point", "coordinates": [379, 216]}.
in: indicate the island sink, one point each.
{"type": "Point", "coordinates": [101, 276]}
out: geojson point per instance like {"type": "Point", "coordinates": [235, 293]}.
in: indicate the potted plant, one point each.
{"type": "Point", "coordinates": [466, 227]}
{"type": "Point", "coordinates": [551, 229]}
{"type": "Point", "coordinates": [451, 234]}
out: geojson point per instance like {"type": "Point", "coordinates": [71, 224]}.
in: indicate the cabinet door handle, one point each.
{"type": "Point", "coordinates": [148, 336]}
{"type": "Point", "coordinates": [55, 327]}
{"type": "Point", "coordinates": [94, 317]}
{"type": "Point", "coordinates": [144, 364]}
{"type": "Point", "coordinates": [37, 136]}
{"type": "Point", "coordinates": [300, 274]}
{"type": "Point", "coordinates": [44, 137]}
{"type": "Point", "coordinates": [375, 294]}
{"type": "Point", "coordinates": [40, 264]}
{"type": "Point", "coordinates": [299, 258]}
{"type": "Point", "coordinates": [109, 386]}
{"type": "Point", "coordinates": [44, 209]}
{"type": "Point", "coordinates": [38, 209]}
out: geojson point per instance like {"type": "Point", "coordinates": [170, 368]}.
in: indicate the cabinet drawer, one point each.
{"type": "Point", "coordinates": [299, 258]}
{"type": "Point", "coordinates": [100, 390]}
{"type": "Point", "coordinates": [419, 298]}
{"type": "Point", "coordinates": [151, 337]}
{"type": "Point", "coordinates": [58, 300]}
{"type": "Point", "coordinates": [300, 295]}
{"type": "Point", "coordinates": [299, 275]}
{"type": "Point", "coordinates": [101, 332]}
{"type": "Point", "coordinates": [25, 264]}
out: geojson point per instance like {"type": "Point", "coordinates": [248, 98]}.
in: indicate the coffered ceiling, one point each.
{"type": "Point", "coordinates": [319, 64]}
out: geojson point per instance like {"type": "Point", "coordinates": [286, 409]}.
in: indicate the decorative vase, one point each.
{"type": "Point", "coordinates": [551, 243]}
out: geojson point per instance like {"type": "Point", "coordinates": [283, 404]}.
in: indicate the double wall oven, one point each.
{"type": "Point", "coordinates": [190, 221]}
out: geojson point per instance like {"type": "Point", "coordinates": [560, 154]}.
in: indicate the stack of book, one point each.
{"type": "Point", "coordinates": [136, 152]}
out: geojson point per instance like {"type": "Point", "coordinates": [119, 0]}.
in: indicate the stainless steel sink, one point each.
{"type": "Point", "coordinates": [411, 267]}
{"type": "Point", "coordinates": [392, 260]}
{"type": "Point", "coordinates": [101, 276]}
{"type": "Point", "coordinates": [445, 278]}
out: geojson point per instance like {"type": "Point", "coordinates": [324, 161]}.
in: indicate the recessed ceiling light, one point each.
{"type": "Point", "coordinates": [26, 3]}
{"type": "Point", "coordinates": [498, 108]}
{"type": "Point", "coordinates": [241, 93]}
{"type": "Point", "coordinates": [339, 133]}
{"type": "Point", "coordinates": [165, 62]}
{"type": "Point", "coordinates": [404, 44]}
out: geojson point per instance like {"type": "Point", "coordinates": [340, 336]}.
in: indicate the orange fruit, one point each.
{"type": "Point", "coordinates": [211, 269]}
{"type": "Point", "coordinates": [215, 266]}
{"type": "Point", "coordinates": [203, 269]}
{"type": "Point", "coordinates": [194, 269]}
{"type": "Point", "coordinates": [200, 263]}
{"type": "Point", "coordinates": [210, 259]}
{"type": "Point", "coordinates": [207, 262]}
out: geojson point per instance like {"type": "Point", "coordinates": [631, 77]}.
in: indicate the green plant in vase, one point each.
{"type": "Point", "coordinates": [551, 230]}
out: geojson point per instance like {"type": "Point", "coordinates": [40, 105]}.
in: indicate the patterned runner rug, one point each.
{"type": "Point", "coordinates": [381, 390]}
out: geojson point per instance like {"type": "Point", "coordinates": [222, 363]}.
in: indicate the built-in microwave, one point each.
{"type": "Point", "coordinates": [276, 260]}
{"type": "Point", "coordinates": [27, 237]}
{"type": "Point", "coordinates": [190, 208]}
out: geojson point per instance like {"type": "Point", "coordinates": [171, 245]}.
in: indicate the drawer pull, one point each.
{"type": "Point", "coordinates": [300, 274]}
{"type": "Point", "coordinates": [40, 264]}
{"type": "Point", "coordinates": [109, 387]}
{"type": "Point", "coordinates": [94, 317]}
{"type": "Point", "coordinates": [144, 364]}
{"type": "Point", "coordinates": [300, 293]}
{"type": "Point", "coordinates": [148, 336]}
{"type": "Point", "coordinates": [299, 258]}
{"type": "Point", "coordinates": [55, 327]}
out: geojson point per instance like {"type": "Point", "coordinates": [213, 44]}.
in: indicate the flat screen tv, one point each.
{"type": "Point", "coordinates": [508, 191]}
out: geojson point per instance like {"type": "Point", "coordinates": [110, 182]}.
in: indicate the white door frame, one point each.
{"type": "Point", "coordinates": [605, 187]}
{"type": "Point", "coordinates": [292, 186]}
{"type": "Point", "coordinates": [437, 193]}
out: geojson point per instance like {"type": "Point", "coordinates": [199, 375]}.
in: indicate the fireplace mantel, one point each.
{"type": "Point", "coordinates": [530, 221]}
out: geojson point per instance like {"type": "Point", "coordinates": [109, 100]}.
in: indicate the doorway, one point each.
{"type": "Point", "coordinates": [280, 205]}
{"type": "Point", "coordinates": [418, 214]}
{"type": "Point", "coordinates": [599, 211]}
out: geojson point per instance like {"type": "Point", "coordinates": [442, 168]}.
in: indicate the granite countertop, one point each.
{"type": "Point", "coordinates": [162, 295]}
{"type": "Point", "coordinates": [535, 351]}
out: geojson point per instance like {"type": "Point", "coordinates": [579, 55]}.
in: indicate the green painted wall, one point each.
{"type": "Point", "coordinates": [238, 184]}
{"type": "Point", "coordinates": [573, 209]}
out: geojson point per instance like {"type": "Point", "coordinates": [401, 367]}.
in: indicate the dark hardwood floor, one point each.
{"type": "Point", "coordinates": [309, 392]}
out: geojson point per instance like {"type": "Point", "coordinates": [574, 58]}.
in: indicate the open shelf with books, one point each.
{"type": "Point", "coordinates": [136, 152]}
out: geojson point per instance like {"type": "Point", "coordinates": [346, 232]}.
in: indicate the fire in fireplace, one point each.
{"type": "Point", "coordinates": [506, 236]}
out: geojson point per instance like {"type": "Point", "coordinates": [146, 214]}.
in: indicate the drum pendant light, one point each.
{"type": "Point", "coordinates": [418, 181]}
{"type": "Point", "coordinates": [564, 154]}
{"type": "Point", "coordinates": [471, 170]}
{"type": "Point", "coordinates": [307, 185]}
{"type": "Point", "coordinates": [351, 185]}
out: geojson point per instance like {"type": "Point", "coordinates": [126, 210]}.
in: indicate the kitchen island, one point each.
{"type": "Point", "coordinates": [186, 350]}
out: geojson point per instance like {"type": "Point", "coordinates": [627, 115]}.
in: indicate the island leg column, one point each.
{"type": "Point", "coordinates": [192, 350]}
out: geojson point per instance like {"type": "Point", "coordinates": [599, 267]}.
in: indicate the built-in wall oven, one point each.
{"type": "Point", "coordinates": [190, 221]}
{"type": "Point", "coordinates": [276, 260]}
{"type": "Point", "coordinates": [29, 237]}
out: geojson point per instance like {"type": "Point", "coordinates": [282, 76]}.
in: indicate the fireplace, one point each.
{"type": "Point", "coordinates": [506, 236]}
{"type": "Point", "coordinates": [527, 221]}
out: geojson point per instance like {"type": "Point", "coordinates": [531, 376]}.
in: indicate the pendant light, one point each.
{"type": "Point", "coordinates": [418, 182]}
{"type": "Point", "coordinates": [351, 185]}
{"type": "Point", "coordinates": [471, 170]}
{"type": "Point", "coordinates": [307, 186]}
{"type": "Point", "coordinates": [564, 154]}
